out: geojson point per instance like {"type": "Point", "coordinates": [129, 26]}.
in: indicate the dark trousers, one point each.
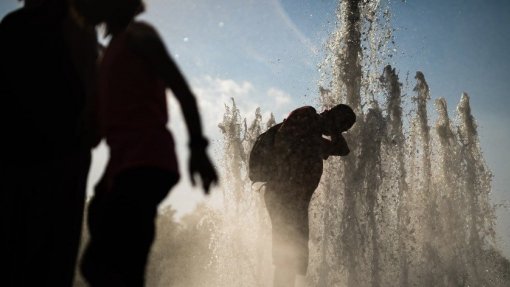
{"type": "Point", "coordinates": [287, 206]}
{"type": "Point", "coordinates": [121, 222]}
{"type": "Point", "coordinates": [41, 218]}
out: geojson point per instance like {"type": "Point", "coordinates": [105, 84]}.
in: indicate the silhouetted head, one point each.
{"type": "Point", "coordinates": [116, 14]}
{"type": "Point", "coordinates": [338, 119]}
{"type": "Point", "coordinates": [32, 3]}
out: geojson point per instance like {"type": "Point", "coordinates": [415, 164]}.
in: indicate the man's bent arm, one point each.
{"type": "Point", "coordinates": [337, 146]}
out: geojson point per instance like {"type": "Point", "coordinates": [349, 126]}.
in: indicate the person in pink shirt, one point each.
{"type": "Point", "coordinates": [134, 74]}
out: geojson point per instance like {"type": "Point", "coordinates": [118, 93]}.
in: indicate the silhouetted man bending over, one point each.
{"type": "Point", "coordinates": [300, 148]}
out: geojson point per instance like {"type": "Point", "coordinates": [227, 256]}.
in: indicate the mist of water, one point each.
{"type": "Point", "coordinates": [408, 207]}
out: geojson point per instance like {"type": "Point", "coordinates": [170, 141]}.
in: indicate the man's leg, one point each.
{"type": "Point", "coordinates": [288, 211]}
{"type": "Point", "coordinates": [281, 211]}
{"type": "Point", "coordinates": [284, 277]}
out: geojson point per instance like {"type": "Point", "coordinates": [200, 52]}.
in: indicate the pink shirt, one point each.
{"type": "Point", "coordinates": [133, 111]}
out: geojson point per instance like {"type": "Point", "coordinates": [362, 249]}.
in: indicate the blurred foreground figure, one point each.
{"type": "Point", "coordinates": [32, 3]}
{"type": "Point", "coordinates": [134, 74]}
{"type": "Point", "coordinates": [289, 158]}
{"type": "Point", "coordinates": [47, 72]}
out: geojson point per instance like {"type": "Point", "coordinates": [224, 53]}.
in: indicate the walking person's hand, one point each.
{"type": "Point", "coordinates": [201, 166]}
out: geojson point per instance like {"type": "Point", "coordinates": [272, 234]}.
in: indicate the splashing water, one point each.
{"type": "Point", "coordinates": [408, 207]}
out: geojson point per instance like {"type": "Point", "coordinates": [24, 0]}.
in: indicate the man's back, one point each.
{"type": "Point", "coordinates": [298, 146]}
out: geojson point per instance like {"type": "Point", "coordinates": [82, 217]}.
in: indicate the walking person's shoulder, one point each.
{"type": "Point", "coordinates": [142, 32]}
{"type": "Point", "coordinates": [144, 40]}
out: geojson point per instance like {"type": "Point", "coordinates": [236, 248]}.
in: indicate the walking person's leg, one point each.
{"type": "Point", "coordinates": [122, 227]}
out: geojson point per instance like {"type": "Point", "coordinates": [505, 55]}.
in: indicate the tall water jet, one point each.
{"type": "Point", "coordinates": [477, 187]}
{"type": "Point", "coordinates": [421, 178]}
{"type": "Point", "coordinates": [448, 183]}
{"type": "Point", "coordinates": [396, 151]}
{"type": "Point", "coordinates": [346, 88]}
{"type": "Point", "coordinates": [358, 241]}
{"type": "Point", "coordinates": [349, 71]}
{"type": "Point", "coordinates": [243, 242]}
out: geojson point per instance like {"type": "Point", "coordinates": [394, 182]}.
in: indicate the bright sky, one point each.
{"type": "Point", "coordinates": [266, 52]}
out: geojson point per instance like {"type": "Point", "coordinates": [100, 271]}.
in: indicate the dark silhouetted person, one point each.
{"type": "Point", "coordinates": [300, 148]}
{"type": "Point", "coordinates": [32, 3]}
{"type": "Point", "coordinates": [134, 74]}
{"type": "Point", "coordinates": [48, 58]}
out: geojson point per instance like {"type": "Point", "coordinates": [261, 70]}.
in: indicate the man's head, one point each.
{"type": "Point", "coordinates": [338, 119]}
{"type": "Point", "coordinates": [116, 14]}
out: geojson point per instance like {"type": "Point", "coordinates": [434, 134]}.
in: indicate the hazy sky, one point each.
{"type": "Point", "coordinates": [265, 53]}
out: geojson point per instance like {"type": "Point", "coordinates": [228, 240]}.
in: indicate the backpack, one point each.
{"type": "Point", "coordinates": [262, 162]}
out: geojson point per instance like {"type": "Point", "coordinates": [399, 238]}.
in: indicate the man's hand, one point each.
{"type": "Point", "coordinates": [340, 144]}
{"type": "Point", "coordinates": [199, 164]}
{"type": "Point", "coordinates": [337, 146]}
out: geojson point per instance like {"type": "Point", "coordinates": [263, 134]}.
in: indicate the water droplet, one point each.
{"type": "Point", "coordinates": [186, 39]}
